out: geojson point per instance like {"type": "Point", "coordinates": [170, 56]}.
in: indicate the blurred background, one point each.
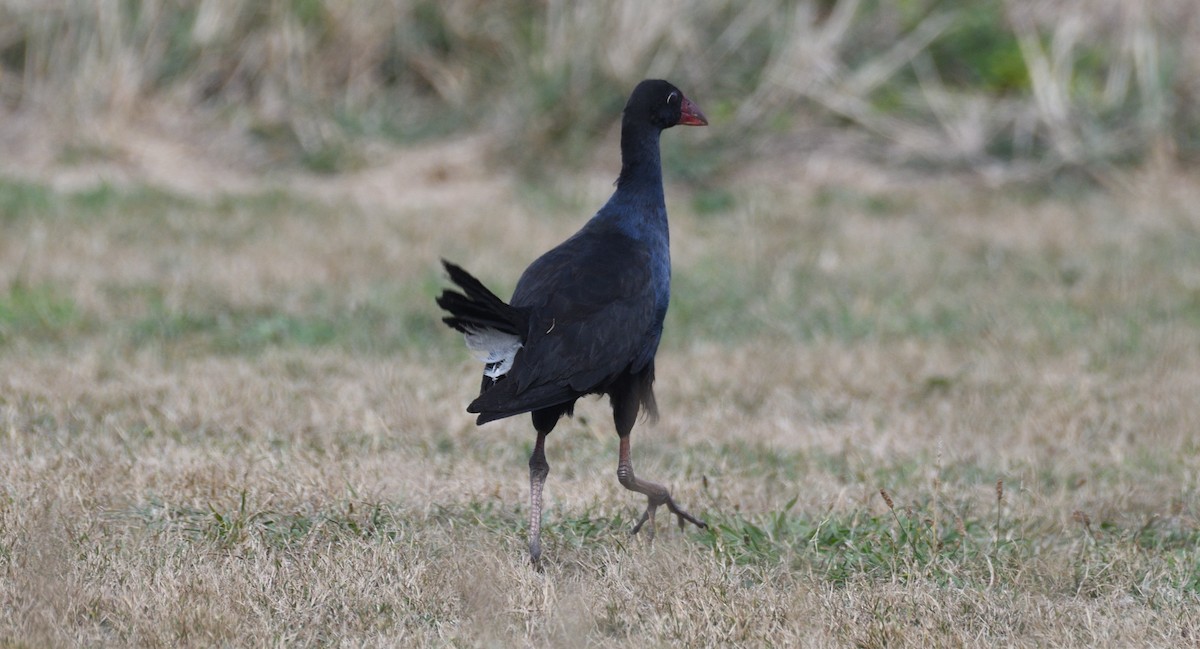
{"type": "Point", "coordinates": [1013, 90]}
{"type": "Point", "coordinates": [940, 253]}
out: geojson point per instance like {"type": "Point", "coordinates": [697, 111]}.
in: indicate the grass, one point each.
{"type": "Point", "coordinates": [36, 313]}
{"type": "Point", "coordinates": [920, 404]}
{"type": "Point", "coordinates": [1046, 86]}
{"type": "Point", "coordinates": [236, 420]}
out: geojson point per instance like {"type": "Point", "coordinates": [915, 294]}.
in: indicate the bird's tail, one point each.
{"type": "Point", "coordinates": [477, 309]}
{"type": "Point", "coordinates": [494, 330]}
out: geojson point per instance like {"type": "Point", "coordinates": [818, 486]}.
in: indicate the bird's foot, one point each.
{"type": "Point", "coordinates": [665, 499]}
{"type": "Point", "coordinates": [535, 554]}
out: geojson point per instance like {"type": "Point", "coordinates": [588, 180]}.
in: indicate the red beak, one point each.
{"type": "Point", "coordinates": [690, 115]}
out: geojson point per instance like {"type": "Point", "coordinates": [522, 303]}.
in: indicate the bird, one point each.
{"type": "Point", "coordinates": [586, 317]}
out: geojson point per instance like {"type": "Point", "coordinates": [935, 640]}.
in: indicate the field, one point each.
{"type": "Point", "coordinates": [930, 371]}
{"type": "Point", "coordinates": [235, 419]}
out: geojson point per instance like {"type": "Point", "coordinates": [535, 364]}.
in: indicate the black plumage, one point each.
{"type": "Point", "coordinates": [587, 316]}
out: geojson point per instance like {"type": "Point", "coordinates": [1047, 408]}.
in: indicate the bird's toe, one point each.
{"type": "Point", "coordinates": [683, 517]}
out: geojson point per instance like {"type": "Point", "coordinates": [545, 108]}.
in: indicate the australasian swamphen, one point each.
{"type": "Point", "coordinates": [587, 316]}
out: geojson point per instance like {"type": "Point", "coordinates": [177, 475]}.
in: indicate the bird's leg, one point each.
{"type": "Point", "coordinates": [657, 494]}
{"type": "Point", "coordinates": [538, 470]}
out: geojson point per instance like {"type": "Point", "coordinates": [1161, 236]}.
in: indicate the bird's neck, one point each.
{"type": "Point", "coordinates": [641, 164]}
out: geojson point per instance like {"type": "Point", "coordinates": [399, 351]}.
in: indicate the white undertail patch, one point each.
{"type": "Point", "coordinates": [495, 348]}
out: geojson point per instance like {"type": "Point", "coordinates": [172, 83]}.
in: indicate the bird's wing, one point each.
{"type": "Point", "coordinates": [594, 312]}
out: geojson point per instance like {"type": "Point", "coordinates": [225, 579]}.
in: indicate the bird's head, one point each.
{"type": "Point", "coordinates": [661, 104]}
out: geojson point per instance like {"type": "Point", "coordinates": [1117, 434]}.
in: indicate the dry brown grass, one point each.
{"type": "Point", "coordinates": [172, 476]}
{"type": "Point", "coordinates": [229, 416]}
{"type": "Point", "coordinates": [1049, 83]}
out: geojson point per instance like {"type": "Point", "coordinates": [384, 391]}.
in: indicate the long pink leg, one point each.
{"type": "Point", "coordinates": [538, 470]}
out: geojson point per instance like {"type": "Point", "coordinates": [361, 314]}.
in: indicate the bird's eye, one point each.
{"type": "Point", "coordinates": [671, 98]}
